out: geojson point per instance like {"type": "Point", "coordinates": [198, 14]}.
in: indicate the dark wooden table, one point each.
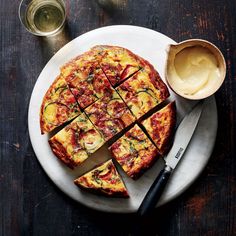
{"type": "Point", "coordinates": [30, 204]}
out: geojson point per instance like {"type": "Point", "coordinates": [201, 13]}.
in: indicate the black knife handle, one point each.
{"type": "Point", "coordinates": [154, 193]}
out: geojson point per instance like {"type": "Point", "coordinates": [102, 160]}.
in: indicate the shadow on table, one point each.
{"type": "Point", "coordinates": [163, 221]}
{"type": "Point", "coordinates": [111, 6]}
{"type": "Point", "coordinates": [123, 224]}
{"type": "Point", "coordinates": [50, 45]}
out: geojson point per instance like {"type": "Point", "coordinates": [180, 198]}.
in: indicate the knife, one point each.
{"type": "Point", "coordinates": [182, 138]}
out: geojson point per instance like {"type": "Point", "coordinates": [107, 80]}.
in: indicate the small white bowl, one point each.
{"type": "Point", "coordinates": [172, 76]}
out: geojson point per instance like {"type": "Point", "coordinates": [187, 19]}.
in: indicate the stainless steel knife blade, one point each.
{"type": "Point", "coordinates": [183, 136]}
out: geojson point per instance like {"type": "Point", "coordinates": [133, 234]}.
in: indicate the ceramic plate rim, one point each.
{"type": "Point", "coordinates": [31, 125]}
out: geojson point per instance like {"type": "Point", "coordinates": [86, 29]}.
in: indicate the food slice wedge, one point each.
{"type": "Point", "coordinates": [103, 179]}
{"type": "Point", "coordinates": [142, 92]}
{"type": "Point", "coordinates": [73, 144]}
{"type": "Point", "coordinates": [110, 115]}
{"type": "Point", "coordinates": [86, 60]}
{"type": "Point", "coordinates": [59, 106]}
{"type": "Point", "coordinates": [88, 85]}
{"type": "Point", "coordinates": [118, 63]}
{"type": "Point", "coordinates": [134, 152]}
{"type": "Point", "coordinates": [161, 125]}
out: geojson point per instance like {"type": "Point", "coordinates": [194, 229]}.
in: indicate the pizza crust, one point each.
{"type": "Point", "coordinates": [58, 107]}
{"type": "Point", "coordinates": [161, 126]}
{"type": "Point", "coordinates": [113, 88]}
{"type": "Point", "coordinates": [104, 179]}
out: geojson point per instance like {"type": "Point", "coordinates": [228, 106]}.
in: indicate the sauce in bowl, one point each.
{"type": "Point", "coordinates": [194, 71]}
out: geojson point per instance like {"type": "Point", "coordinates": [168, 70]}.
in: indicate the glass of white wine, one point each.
{"type": "Point", "coordinates": [42, 17]}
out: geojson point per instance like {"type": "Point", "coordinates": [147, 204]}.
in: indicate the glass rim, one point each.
{"type": "Point", "coordinates": [54, 32]}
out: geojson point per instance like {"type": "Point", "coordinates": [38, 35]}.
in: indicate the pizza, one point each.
{"type": "Point", "coordinates": [134, 152]}
{"type": "Point", "coordinates": [156, 79]}
{"type": "Point", "coordinates": [83, 62]}
{"type": "Point", "coordinates": [161, 125]}
{"type": "Point", "coordinates": [88, 85]}
{"type": "Point", "coordinates": [59, 106]}
{"type": "Point", "coordinates": [142, 92]}
{"type": "Point", "coordinates": [103, 179]}
{"type": "Point", "coordinates": [110, 115]}
{"type": "Point", "coordinates": [74, 143]}
{"type": "Point", "coordinates": [118, 63]}
{"type": "Point", "coordinates": [104, 95]}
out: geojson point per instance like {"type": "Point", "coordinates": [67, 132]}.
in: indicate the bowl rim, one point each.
{"type": "Point", "coordinates": [197, 42]}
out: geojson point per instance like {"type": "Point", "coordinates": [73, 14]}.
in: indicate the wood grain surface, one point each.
{"type": "Point", "coordinates": [30, 204]}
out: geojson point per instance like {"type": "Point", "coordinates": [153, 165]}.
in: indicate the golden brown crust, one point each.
{"type": "Point", "coordinates": [58, 106]}
{"type": "Point", "coordinates": [42, 120]}
{"type": "Point", "coordinates": [62, 154]}
{"type": "Point", "coordinates": [142, 92]}
{"type": "Point", "coordinates": [126, 64]}
{"type": "Point", "coordinates": [89, 58]}
{"type": "Point", "coordinates": [108, 65]}
{"type": "Point", "coordinates": [105, 192]}
{"type": "Point", "coordinates": [170, 133]}
{"type": "Point", "coordinates": [103, 179]}
{"type": "Point", "coordinates": [118, 63]}
{"type": "Point", "coordinates": [156, 79]}
{"type": "Point", "coordinates": [161, 125]}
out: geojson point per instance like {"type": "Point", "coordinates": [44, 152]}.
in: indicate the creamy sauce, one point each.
{"type": "Point", "coordinates": [194, 71]}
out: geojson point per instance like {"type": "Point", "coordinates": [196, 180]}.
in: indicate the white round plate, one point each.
{"type": "Point", "coordinates": [150, 45]}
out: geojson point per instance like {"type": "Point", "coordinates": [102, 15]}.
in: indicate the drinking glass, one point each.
{"type": "Point", "coordinates": [42, 17]}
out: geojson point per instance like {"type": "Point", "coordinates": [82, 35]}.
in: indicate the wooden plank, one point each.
{"type": "Point", "coordinates": [30, 204]}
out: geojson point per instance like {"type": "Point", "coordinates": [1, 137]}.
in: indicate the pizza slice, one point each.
{"type": "Point", "coordinates": [142, 92]}
{"type": "Point", "coordinates": [58, 106]}
{"type": "Point", "coordinates": [76, 141]}
{"type": "Point", "coordinates": [110, 115]}
{"type": "Point", "coordinates": [134, 152]}
{"type": "Point", "coordinates": [160, 126]}
{"type": "Point", "coordinates": [118, 63]}
{"type": "Point", "coordinates": [86, 60]}
{"type": "Point", "coordinates": [88, 85]}
{"type": "Point", "coordinates": [104, 179]}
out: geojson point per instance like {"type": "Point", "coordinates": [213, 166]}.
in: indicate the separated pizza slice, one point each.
{"type": "Point", "coordinates": [110, 115]}
{"type": "Point", "coordinates": [161, 125]}
{"type": "Point", "coordinates": [59, 106]}
{"type": "Point", "coordinates": [134, 152]}
{"type": "Point", "coordinates": [104, 179]}
{"type": "Point", "coordinates": [142, 92]}
{"type": "Point", "coordinates": [73, 144]}
{"type": "Point", "coordinates": [88, 85]}
{"type": "Point", "coordinates": [118, 63]}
